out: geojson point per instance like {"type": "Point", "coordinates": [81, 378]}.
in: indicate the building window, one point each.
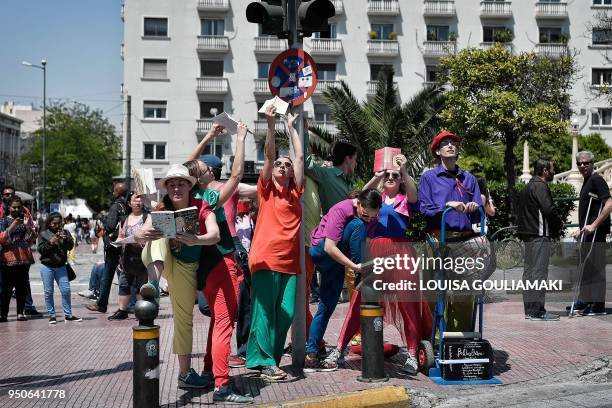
{"type": "Point", "coordinates": [602, 2]}
{"type": "Point", "coordinates": [322, 113]}
{"type": "Point", "coordinates": [382, 30]}
{"type": "Point", "coordinates": [212, 27]}
{"type": "Point", "coordinates": [488, 33]}
{"type": "Point", "coordinates": [432, 72]}
{"type": "Point", "coordinates": [154, 109]}
{"type": "Point", "coordinates": [602, 36]}
{"type": "Point", "coordinates": [550, 35]}
{"type": "Point", "coordinates": [155, 27]}
{"type": "Point", "coordinates": [155, 151]}
{"type": "Point", "coordinates": [331, 32]}
{"type": "Point", "coordinates": [216, 149]}
{"type": "Point", "coordinates": [262, 70]}
{"type": "Point", "coordinates": [210, 109]}
{"type": "Point", "coordinates": [602, 118]}
{"type": "Point", "coordinates": [374, 70]}
{"type": "Point", "coordinates": [155, 69]}
{"type": "Point", "coordinates": [260, 144]}
{"type": "Point", "coordinates": [211, 68]}
{"type": "Point", "coordinates": [437, 33]}
{"type": "Point", "coordinates": [326, 72]}
{"type": "Point", "coordinates": [601, 76]}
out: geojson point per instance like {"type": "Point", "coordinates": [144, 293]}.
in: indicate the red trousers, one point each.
{"type": "Point", "coordinates": [221, 292]}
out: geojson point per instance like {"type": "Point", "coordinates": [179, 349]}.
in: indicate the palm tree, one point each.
{"type": "Point", "coordinates": [382, 121]}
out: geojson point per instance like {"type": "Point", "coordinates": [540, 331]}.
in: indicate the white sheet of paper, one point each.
{"type": "Point", "coordinates": [225, 120]}
{"type": "Point", "coordinates": [280, 105]}
{"type": "Point", "coordinates": [307, 70]}
{"type": "Point", "coordinates": [124, 241]}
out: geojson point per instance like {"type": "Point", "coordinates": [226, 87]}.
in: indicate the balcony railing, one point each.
{"type": "Point", "coordinates": [439, 48]}
{"type": "Point", "coordinates": [325, 46]}
{"type": "Point", "coordinates": [327, 126]}
{"type": "Point", "coordinates": [487, 45]}
{"type": "Point", "coordinates": [372, 87]}
{"type": "Point", "coordinates": [439, 9]}
{"type": "Point", "coordinates": [551, 50]}
{"type": "Point", "coordinates": [213, 43]}
{"type": "Point", "coordinates": [383, 7]}
{"type": "Point", "coordinates": [495, 9]}
{"type": "Point", "coordinates": [339, 7]}
{"type": "Point", "coordinates": [383, 48]}
{"type": "Point", "coordinates": [270, 45]}
{"type": "Point", "coordinates": [213, 85]}
{"type": "Point", "coordinates": [213, 5]}
{"type": "Point", "coordinates": [203, 126]}
{"type": "Point", "coordinates": [551, 10]}
{"type": "Point", "coordinates": [261, 127]}
{"type": "Point", "coordinates": [323, 85]}
{"type": "Point", "coordinates": [261, 86]}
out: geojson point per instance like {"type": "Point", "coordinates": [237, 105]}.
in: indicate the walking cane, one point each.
{"type": "Point", "coordinates": [583, 262]}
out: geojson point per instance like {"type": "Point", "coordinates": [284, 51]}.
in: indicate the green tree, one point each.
{"type": "Point", "coordinates": [499, 97]}
{"type": "Point", "coordinates": [84, 149]}
{"type": "Point", "coordinates": [382, 121]}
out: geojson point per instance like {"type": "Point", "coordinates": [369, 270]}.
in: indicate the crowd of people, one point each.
{"type": "Point", "coordinates": [241, 267]}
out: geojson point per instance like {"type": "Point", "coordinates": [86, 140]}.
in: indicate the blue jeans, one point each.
{"type": "Point", "coordinates": [59, 275]}
{"type": "Point", "coordinates": [95, 277]}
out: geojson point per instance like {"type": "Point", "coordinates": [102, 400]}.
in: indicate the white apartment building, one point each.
{"type": "Point", "coordinates": [186, 60]}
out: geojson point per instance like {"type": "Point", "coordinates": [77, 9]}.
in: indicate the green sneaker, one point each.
{"type": "Point", "coordinates": [193, 380]}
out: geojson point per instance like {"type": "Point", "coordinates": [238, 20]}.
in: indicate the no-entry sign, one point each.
{"type": "Point", "coordinates": [293, 76]}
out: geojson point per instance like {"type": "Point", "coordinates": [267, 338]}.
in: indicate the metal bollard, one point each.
{"type": "Point", "coordinates": [372, 357]}
{"type": "Point", "coordinates": [146, 355]}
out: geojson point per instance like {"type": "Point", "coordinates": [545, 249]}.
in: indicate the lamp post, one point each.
{"type": "Point", "coordinates": [43, 67]}
{"type": "Point", "coordinates": [63, 184]}
{"type": "Point", "coordinates": [34, 172]}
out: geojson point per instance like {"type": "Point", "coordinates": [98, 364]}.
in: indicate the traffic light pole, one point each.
{"type": "Point", "coordinates": [298, 329]}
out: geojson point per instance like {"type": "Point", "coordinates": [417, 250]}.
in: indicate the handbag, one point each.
{"type": "Point", "coordinates": [71, 273]}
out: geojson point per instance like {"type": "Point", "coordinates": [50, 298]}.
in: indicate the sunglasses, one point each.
{"type": "Point", "coordinates": [286, 165]}
{"type": "Point", "coordinates": [448, 142]}
{"type": "Point", "coordinates": [580, 164]}
{"type": "Point", "coordinates": [7, 194]}
{"type": "Point", "coordinates": [390, 175]}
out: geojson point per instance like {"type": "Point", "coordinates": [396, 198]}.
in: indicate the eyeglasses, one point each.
{"type": "Point", "coordinates": [390, 175]}
{"type": "Point", "coordinates": [579, 164]}
{"type": "Point", "coordinates": [7, 194]}
{"type": "Point", "coordinates": [286, 165]}
{"type": "Point", "coordinates": [448, 142]}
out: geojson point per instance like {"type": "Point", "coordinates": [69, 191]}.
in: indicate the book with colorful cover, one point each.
{"type": "Point", "coordinates": [384, 158]}
{"type": "Point", "coordinates": [171, 222]}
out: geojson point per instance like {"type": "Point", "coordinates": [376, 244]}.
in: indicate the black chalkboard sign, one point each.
{"type": "Point", "coordinates": [462, 349]}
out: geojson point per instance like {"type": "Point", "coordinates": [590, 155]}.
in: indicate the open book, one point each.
{"type": "Point", "coordinates": [229, 123]}
{"type": "Point", "coordinates": [171, 222]}
{"type": "Point", "coordinates": [280, 105]}
{"type": "Point", "coordinates": [144, 181]}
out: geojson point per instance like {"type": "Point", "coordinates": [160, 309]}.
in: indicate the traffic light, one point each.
{"type": "Point", "coordinates": [271, 14]}
{"type": "Point", "coordinates": [313, 15]}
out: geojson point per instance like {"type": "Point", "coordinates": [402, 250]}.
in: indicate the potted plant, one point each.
{"type": "Point", "coordinates": [452, 36]}
{"type": "Point", "coordinates": [392, 36]}
{"type": "Point", "coordinates": [564, 38]}
{"type": "Point", "coordinates": [373, 35]}
{"type": "Point", "coordinates": [504, 36]}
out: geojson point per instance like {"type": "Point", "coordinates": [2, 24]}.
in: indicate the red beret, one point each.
{"type": "Point", "coordinates": [442, 135]}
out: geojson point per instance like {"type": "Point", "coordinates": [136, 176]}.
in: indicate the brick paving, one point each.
{"type": "Point", "coordinates": [92, 361]}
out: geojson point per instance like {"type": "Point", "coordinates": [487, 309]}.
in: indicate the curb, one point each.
{"type": "Point", "coordinates": [382, 397]}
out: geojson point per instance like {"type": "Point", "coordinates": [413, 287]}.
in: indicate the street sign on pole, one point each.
{"type": "Point", "coordinates": [293, 76]}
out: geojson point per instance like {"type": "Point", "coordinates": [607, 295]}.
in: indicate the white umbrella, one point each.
{"type": "Point", "coordinates": [24, 196]}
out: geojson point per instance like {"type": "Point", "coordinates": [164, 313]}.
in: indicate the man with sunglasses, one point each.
{"type": "Point", "coordinates": [595, 226]}
{"type": "Point", "coordinates": [448, 185]}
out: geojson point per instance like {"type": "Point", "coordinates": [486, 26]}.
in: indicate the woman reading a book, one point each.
{"type": "Point", "coordinates": [409, 315]}
{"type": "Point", "coordinates": [178, 260]}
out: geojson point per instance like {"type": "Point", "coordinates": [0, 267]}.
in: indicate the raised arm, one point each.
{"type": "Point", "coordinates": [237, 167]}
{"type": "Point", "coordinates": [247, 190]}
{"type": "Point", "coordinates": [214, 131]}
{"type": "Point", "coordinates": [411, 190]}
{"type": "Point", "coordinates": [270, 146]}
{"type": "Point", "coordinates": [374, 181]}
{"type": "Point", "coordinates": [298, 148]}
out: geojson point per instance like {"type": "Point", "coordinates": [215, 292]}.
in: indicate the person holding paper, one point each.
{"type": "Point", "coordinates": [178, 260]}
{"type": "Point", "coordinates": [275, 251]}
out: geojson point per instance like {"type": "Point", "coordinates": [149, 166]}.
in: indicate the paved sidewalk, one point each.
{"type": "Point", "coordinates": [92, 360]}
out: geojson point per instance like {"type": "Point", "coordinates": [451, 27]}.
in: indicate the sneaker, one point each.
{"type": "Point", "coordinates": [89, 294]}
{"type": "Point", "coordinates": [322, 352]}
{"type": "Point", "coordinates": [95, 308]}
{"type": "Point", "coordinates": [52, 320]}
{"type": "Point", "coordinates": [411, 365]}
{"type": "Point", "coordinates": [208, 376]}
{"type": "Point", "coordinates": [237, 361]}
{"type": "Point", "coordinates": [119, 315]}
{"type": "Point", "coordinates": [73, 318]}
{"type": "Point", "coordinates": [288, 350]}
{"type": "Point", "coordinates": [579, 305]}
{"type": "Point", "coordinates": [594, 311]}
{"type": "Point", "coordinates": [273, 373]}
{"type": "Point", "coordinates": [192, 380]}
{"type": "Point", "coordinates": [313, 364]}
{"type": "Point", "coordinates": [32, 313]}
{"type": "Point", "coordinates": [21, 318]}
{"type": "Point", "coordinates": [546, 317]}
{"type": "Point", "coordinates": [334, 357]}
{"type": "Point", "coordinates": [228, 395]}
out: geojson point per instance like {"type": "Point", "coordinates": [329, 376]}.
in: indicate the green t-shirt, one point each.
{"type": "Point", "coordinates": [186, 253]}
{"type": "Point", "coordinates": [334, 185]}
{"type": "Point", "coordinates": [226, 245]}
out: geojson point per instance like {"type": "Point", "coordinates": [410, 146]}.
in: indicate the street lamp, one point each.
{"type": "Point", "coordinates": [34, 172]}
{"type": "Point", "coordinates": [43, 67]}
{"type": "Point", "coordinates": [63, 184]}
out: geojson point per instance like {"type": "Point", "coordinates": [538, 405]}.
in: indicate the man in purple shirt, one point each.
{"type": "Point", "coordinates": [447, 185]}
